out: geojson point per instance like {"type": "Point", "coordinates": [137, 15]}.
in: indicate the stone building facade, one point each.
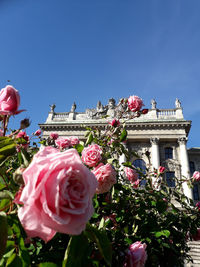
{"type": "Point", "coordinates": [162, 132]}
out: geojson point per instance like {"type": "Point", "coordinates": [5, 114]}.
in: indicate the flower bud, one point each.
{"type": "Point", "coordinates": [145, 111]}
{"type": "Point", "coordinates": [17, 176]}
{"type": "Point", "coordinates": [25, 123]}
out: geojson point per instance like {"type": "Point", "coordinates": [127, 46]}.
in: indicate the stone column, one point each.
{"type": "Point", "coordinates": [185, 170]}
{"type": "Point", "coordinates": [155, 156]}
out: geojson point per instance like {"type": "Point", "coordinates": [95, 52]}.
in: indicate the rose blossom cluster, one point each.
{"type": "Point", "coordinates": [57, 196]}
{"type": "Point", "coordinates": [136, 255]}
{"type": "Point", "coordinates": [64, 142]}
{"type": "Point", "coordinates": [24, 136]}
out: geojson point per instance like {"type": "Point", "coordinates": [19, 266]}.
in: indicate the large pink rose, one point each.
{"type": "Point", "coordinates": [196, 176]}
{"type": "Point", "coordinates": [106, 177]}
{"type": "Point", "coordinates": [136, 255]}
{"type": "Point", "coordinates": [131, 174]}
{"type": "Point", "coordinates": [57, 195]}
{"type": "Point", "coordinates": [9, 101]}
{"type": "Point", "coordinates": [91, 155]}
{"type": "Point", "coordinates": [135, 103]}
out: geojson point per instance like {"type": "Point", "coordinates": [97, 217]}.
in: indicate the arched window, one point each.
{"type": "Point", "coordinates": [168, 153]}
{"type": "Point", "coordinates": [141, 165]}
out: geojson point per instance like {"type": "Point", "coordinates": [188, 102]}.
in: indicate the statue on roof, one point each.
{"type": "Point", "coordinates": [153, 104]}
{"type": "Point", "coordinates": [73, 108]}
{"type": "Point", "coordinates": [177, 103]}
{"type": "Point", "coordinates": [52, 108]}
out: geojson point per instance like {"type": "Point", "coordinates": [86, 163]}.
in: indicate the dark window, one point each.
{"type": "Point", "coordinates": [192, 167]}
{"type": "Point", "coordinates": [140, 164]}
{"type": "Point", "coordinates": [196, 192]}
{"type": "Point", "coordinates": [170, 179]}
{"type": "Point", "coordinates": [168, 153]}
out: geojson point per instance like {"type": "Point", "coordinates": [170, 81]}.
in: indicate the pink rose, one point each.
{"type": "Point", "coordinates": [135, 103]}
{"type": "Point", "coordinates": [196, 176]}
{"type": "Point", "coordinates": [198, 205]}
{"type": "Point", "coordinates": [161, 170]}
{"type": "Point", "coordinates": [9, 101]}
{"type": "Point", "coordinates": [57, 195]}
{"type": "Point", "coordinates": [74, 140]}
{"type": "Point", "coordinates": [1, 132]}
{"type": "Point", "coordinates": [38, 132]}
{"type": "Point", "coordinates": [131, 174]}
{"type": "Point", "coordinates": [63, 143]}
{"type": "Point", "coordinates": [136, 255]}
{"type": "Point", "coordinates": [91, 155]}
{"type": "Point", "coordinates": [115, 123]}
{"type": "Point", "coordinates": [54, 136]}
{"type": "Point", "coordinates": [106, 177]}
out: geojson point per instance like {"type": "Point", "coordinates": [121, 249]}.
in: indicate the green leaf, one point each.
{"type": "Point", "coordinates": [8, 150]}
{"type": "Point", "coordinates": [6, 194]}
{"type": "Point", "coordinates": [4, 141]}
{"type": "Point", "coordinates": [123, 135]}
{"type": "Point", "coordinates": [47, 264]}
{"type": "Point", "coordinates": [165, 233]}
{"type": "Point", "coordinates": [102, 241]}
{"type": "Point", "coordinates": [89, 139]}
{"type": "Point", "coordinates": [14, 261]}
{"type": "Point", "coordinates": [76, 252]}
{"type": "Point", "coordinates": [3, 232]}
{"type": "Point", "coordinates": [79, 148]}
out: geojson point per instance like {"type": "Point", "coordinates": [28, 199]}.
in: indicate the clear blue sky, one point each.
{"type": "Point", "coordinates": [61, 51]}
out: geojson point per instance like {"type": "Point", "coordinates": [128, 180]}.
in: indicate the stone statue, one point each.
{"type": "Point", "coordinates": [99, 106]}
{"type": "Point", "coordinates": [73, 108]}
{"type": "Point", "coordinates": [153, 104]}
{"type": "Point", "coordinates": [52, 108]}
{"type": "Point", "coordinates": [177, 103]}
{"type": "Point", "coordinates": [111, 103]}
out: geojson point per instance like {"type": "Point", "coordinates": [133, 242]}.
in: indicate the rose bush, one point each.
{"type": "Point", "coordinates": [53, 192]}
{"type": "Point", "coordinates": [57, 196]}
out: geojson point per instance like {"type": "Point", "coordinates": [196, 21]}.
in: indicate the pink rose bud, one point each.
{"type": "Point", "coordinates": [62, 143]}
{"type": "Point", "coordinates": [161, 170]}
{"type": "Point", "coordinates": [198, 205]}
{"type": "Point", "coordinates": [54, 136]}
{"type": "Point", "coordinates": [58, 194]}
{"type": "Point", "coordinates": [136, 255]}
{"type": "Point", "coordinates": [106, 177]}
{"type": "Point", "coordinates": [9, 101]}
{"type": "Point", "coordinates": [23, 135]}
{"type": "Point", "coordinates": [145, 111]}
{"type": "Point", "coordinates": [135, 103]}
{"type": "Point", "coordinates": [74, 140]}
{"type": "Point", "coordinates": [196, 176]}
{"type": "Point", "coordinates": [38, 132]}
{"type": "Point", "coordinates": [115, 123]}
{"type": "Point", "coordinates": [91, 155]}
{"type": "Point", "coordinates": [131, 174]}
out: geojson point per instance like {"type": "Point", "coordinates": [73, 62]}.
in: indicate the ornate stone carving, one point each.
{"type": "Point", "coordinates": [182, 140]}
{"type": "Point", "coordinates": [154, 140]}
